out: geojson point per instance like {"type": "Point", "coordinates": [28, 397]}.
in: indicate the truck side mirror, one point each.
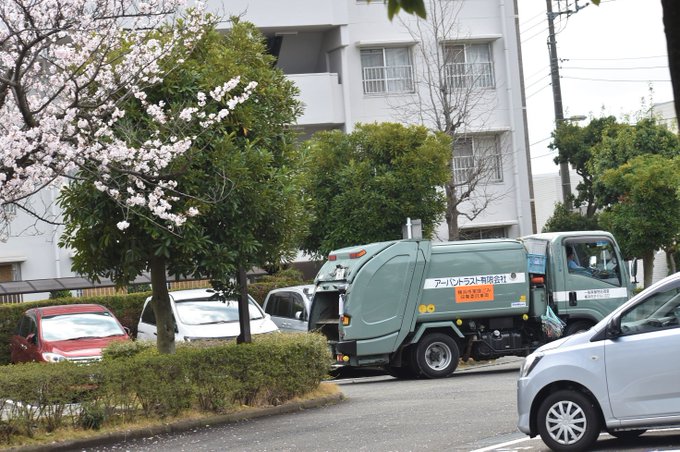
{"type": "Point", "coordinates": [32, 338]}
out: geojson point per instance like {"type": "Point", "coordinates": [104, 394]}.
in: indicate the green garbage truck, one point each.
{"type": "Point", "coordinates": [417, 307]}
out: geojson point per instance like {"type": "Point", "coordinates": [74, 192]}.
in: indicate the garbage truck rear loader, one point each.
{"type": "Point", "coordinates": [416, 307]}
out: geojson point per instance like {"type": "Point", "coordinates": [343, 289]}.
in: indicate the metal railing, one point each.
{"type": "Point", "coordinates": [388, 79]}
{"type": "Point", "coordinates": [464, 168]}
{"type": "Point", "coordinates": [469, 75]}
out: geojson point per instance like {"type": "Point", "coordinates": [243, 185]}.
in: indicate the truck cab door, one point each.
{"type": "Point", "coordinates": [592, 279]}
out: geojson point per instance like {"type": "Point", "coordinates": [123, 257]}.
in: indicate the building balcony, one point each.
{"type": "Point", "coordinates": [277, 14]}
{"type": "Point", "coordinates": [321, 94]}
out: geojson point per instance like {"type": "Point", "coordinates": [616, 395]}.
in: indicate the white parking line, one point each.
{"type": "Point", "coordinates": [502, 445]}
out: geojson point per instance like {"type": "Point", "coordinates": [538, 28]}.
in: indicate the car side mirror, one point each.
{"type": "Point", "coordinates": [613, 329]}
{"type": "Point", "coordinates": [298, 315]}
{"type": "Point", "coordinates": [32, 338]}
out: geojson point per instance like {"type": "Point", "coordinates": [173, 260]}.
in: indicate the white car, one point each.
{"type": "Point", "coordinates": [621, 376]}
{"type": "Point", "coordinates": [199, 314]}
{"type": "Point", "coordinates": [289, 307]}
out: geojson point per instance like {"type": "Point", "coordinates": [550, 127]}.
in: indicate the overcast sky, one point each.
{"type": "Point", "coordinates": [613, 53]}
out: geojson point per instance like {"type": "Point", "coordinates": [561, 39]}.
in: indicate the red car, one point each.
{"type": "Point", "coordinates": [75, 332]}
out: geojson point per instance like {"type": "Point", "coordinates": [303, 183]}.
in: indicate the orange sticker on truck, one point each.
{"type": "Point", "coordinates": [470, 294]}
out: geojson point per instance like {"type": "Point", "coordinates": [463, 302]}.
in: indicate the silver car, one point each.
{"type": "Point", "coordinates": [621, 376]}
{"type": "Point", "coordinates": [289, 307]}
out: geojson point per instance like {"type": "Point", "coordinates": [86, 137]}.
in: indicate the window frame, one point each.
{"type": "Point", "coordinates": [371, 85]}
{"type": "Point", "coordinates": [495, 174]}
{"type": "Point", "coordinates": [468, 74]}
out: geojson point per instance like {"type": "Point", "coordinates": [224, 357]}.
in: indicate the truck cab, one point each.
{"type": "Point", "coordinates": [586, 277]}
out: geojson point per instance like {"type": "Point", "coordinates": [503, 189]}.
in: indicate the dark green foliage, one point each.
{"type": "Point", "coordinates": [365, 184]}
{"type": "Point", "coordinates": [564, 219]}
{"type": "Point", "coordinates": [243, 176]}
{"type": "Point", "coordinates": [60, 294]}
{"type": "Point", "coordinates": [141, 383]}
{"type": "Point", "coordinates": [283, 278]}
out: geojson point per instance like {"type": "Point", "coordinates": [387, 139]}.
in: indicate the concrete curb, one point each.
{"type": "Point", "coordinates": [183, 425]}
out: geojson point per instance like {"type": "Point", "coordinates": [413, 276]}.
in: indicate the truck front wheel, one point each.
{"type": "Point", "coordinates": [437, 355]}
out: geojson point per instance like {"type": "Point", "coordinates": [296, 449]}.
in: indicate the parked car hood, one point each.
{"type": "Point", "coordinates": [225, 330]}
{"type": "Point", "coordinates": [84, 347]}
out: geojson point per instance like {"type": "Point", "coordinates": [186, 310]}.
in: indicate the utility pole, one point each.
{"type": "Point", "coordinates": [555, 79]}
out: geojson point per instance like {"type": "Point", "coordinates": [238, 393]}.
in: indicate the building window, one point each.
{"type": "Point", "coordinates": [477, 159]}
{"type": "Point", "coordinates": [468, 66]}
{"type": "Point", "coordinates": [483, 233]}
{"type": "Point", "coordinates": [387, 70]}
{"type": "Point", "coordinates": [10, 272]}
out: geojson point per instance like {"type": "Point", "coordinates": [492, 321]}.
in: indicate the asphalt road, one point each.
{"type": "Point", "coordinates": [474, 410]}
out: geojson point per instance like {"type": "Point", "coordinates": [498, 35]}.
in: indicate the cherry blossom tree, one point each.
{"type": "Point", "coordinates": [66, 69]}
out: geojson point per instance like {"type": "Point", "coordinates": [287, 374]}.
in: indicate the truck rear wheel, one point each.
{"type": "Point", "coordinates": [437, 355]}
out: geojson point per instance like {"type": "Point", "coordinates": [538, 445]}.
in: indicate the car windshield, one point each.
{"type": "Point", "coordinates": [66, 327]}
{"type": "Point", "coordinates": [204, 312]}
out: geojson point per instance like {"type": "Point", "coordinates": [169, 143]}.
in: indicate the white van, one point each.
{"type": "Point", "coordinates": [289, 307]}
{"type": "Point", "coordinates": [621, 376]}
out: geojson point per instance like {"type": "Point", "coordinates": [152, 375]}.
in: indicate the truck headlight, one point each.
{"type": "Point", "coordinates": [529, 364]}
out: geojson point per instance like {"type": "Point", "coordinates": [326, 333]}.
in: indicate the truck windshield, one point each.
{"type": "Point", "coordinates": [594, 259]}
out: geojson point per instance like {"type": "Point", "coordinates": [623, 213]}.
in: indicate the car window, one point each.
{"type": "Point", "coordinates": [24, 326]}
{"type": "Point", "coordinates": [66, 327]}
{"type": "Point", "coordinates": [595, 258]}
{"type": "Point", "coordinates": [148, 316]}
{"type": "Point", "coordinates": [659, 311]}
{"type": "Point", "coordinates": [204, 312]}
{"type": "Point", "coordinates": [283, 306]}
{"type": "Point", "coordinates": [298, 304]}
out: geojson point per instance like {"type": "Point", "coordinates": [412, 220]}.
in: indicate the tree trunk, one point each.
{"type": "Point", "coordinates": [670, 261]}
{"type": "Point", "coordinates": [165, 321]}
{"type": "Point", "coordinates": [671, 22]}
{"type": "Point", "coordinates": [648, 260]}
{"type": "Point", "coordinates": [243, 309]}
{"type": "Point", "coordinates": [452, 212]}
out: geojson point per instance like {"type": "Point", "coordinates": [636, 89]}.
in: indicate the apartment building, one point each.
{"type": "Point", "coordinates": [353, 65]}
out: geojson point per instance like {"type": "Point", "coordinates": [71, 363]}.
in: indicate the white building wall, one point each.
{"type": "Point", "coordinates": [321, 41]}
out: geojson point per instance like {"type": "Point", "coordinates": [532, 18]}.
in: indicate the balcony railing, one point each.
{"type": "Point", "coordinates": [388, 79]}
{"type": "Point", "coordinates": [464, 168]}
{"type": "Point", "coordinates": [469, 75]}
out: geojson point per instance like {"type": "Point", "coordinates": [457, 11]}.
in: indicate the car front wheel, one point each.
{"type": "Point", "coordinates": [568, 421]}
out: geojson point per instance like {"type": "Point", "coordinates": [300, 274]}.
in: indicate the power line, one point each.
{"type": "Point", "coordinates": [613, 80]}
{"type": "Point", "coordinates": [540, 141]}
{"type": "Point", "coordinates": [614, 59]}
{"type": "Point", "coordinates": [541, 14]}
{"type": "Point", "coordinates": [533, 36]}
{"type": "Point", "coordinates": [537, 81]}
{"type": "Point", "coordinates": [542, 155]}
{"type": "Point", "coordinates": [613, 68]}
{"type": "Point", "coordinates": [536, 92]}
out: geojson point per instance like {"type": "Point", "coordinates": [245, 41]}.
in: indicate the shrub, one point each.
{"type": "Point", "coordinates": [134, 380]}
{"type": "Point", "coordinates": [284, 278]}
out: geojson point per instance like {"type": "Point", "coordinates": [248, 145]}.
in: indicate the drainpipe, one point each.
{"type": "Point", "coordinates": [511, 114]}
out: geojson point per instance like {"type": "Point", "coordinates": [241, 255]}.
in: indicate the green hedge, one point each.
{"type": "Point", "coordinates": [285, 278]}
{"type": "Point", "coordinates": [134, 382]}
{"type": "Point", "coordinates": [127, 308]}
